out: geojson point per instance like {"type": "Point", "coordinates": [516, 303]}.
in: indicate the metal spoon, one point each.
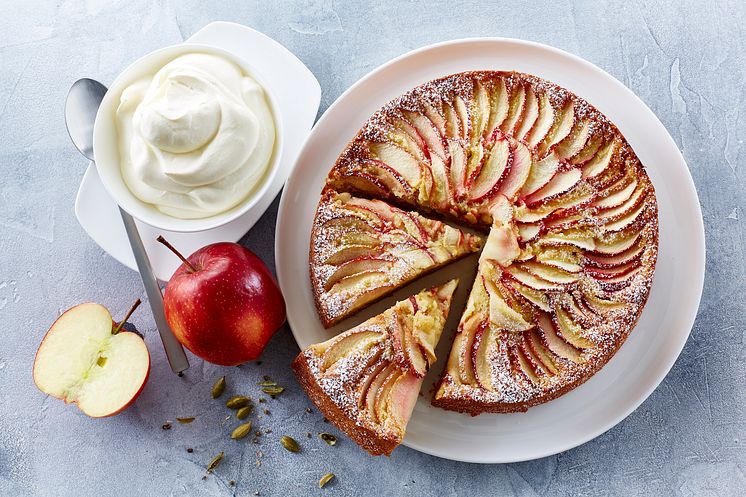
{"type": "Point", "coordinates": [81, 107]}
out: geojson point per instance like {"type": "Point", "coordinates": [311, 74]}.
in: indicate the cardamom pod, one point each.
{"type": "Point", "coordinates": [244, 412]}
{"type": "Point", "coordinates": [289, 443]}
{"type": "Point", "coordinates": [326, 479]}
{"type": "Point", "coordinates": [215, 461]}
{"type": "Point", "coordinates": [218, 388]}
{"type": "Point", "coordinates": [275, 390]}
{"type": "Point", "coordinates": [185, 421]}
{"type": "Point", "coordinates": [241, 431]}
{"type": "Point", "coordinates": [328, 438]}
{"type": "Point", "coordinates": [237, 402]}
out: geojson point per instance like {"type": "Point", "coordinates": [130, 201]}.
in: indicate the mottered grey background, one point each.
{"type": "Point", "coordinates": [684, 59]}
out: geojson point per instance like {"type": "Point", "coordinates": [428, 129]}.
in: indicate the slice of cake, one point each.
{"type": "Point", "coordinates": [362, 250]}
{"type": "Point", "coordinates": [366, 380]}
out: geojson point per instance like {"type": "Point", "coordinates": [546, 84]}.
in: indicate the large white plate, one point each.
{"type": "Point", "coordinates": [642, 362]}
{"type": "Point", "coordinates": [298, 95]}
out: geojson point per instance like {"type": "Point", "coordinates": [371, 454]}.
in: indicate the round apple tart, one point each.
{"type": "Point", "coordinates": [572, 220]}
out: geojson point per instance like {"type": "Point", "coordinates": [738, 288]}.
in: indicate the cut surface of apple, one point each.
{"type": "Point", "coordinates": [367, 379]}
{"type": "Point", "coordinates": [81, 361]}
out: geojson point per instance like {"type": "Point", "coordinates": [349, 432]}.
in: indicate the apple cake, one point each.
{"type": "Point", "coordinates": [366, 380]}
{"type": "Point", "coordinates": [365, 249]}
{"type": "Point", "coordinates": [572, 220]}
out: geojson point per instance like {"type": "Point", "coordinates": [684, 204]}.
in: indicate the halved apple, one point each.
{"type": "Point", "coordinates": [87, 359]}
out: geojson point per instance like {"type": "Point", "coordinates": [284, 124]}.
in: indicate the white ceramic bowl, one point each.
{"type": "Point", "coordinates": [106, 144]}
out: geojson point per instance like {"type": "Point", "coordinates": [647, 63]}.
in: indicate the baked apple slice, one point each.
{"type": "Point", "coordinates": [364, 249]}
{"type": "Point", "coordinates": [366, 380]}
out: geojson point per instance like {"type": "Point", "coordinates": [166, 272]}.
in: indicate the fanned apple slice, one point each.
{"type": "Point", "coordinates": [534, 297]}
{"type": "Point", "coordinates": [372, 401]}
{"type": "Point", "coordinates": [618, 198]}
{"type": "Point", "coordinates": [429, 133]}
{"type": "Point", "coordinates": [600, 161]}
{"type": "Point", "coordinates": [457, 167]}
{"type": "Point", "coordinates": [561, 127]}
{"type": "Point", "coordinates": [480, 110]}
{"type": "Point", "coordinates": [561, 183]}
{"type": "Point", "coordinates": [625, 221]}
{"type": "Point", "coordinates": [498, 106]}
{"type": "Point", "coordinates": [520, 170]}
{"type": "Point", "coordinates": [528, 231]}
{"type": "Point", "coordinates": [515, 109]}
{"type": "Point", "coordinates": [555, 342]}
{"type": "Point", "coordinates": [462, 112]}
{"type": "Point", "coordinates": [615, 245]}
{"type": "Point", "coordinates": [541, 352]}
{"type": "Point", "coordinates": [575, 141]}
{"type": "Point", "coordinates": [541, 173]}
{"type": "Point", "coordinates": [590, 149]}
{"type": "Point", "coordinates": [399, 160]}
{"type": "Point", "coordinates": [492, 172]}
{"type": "Point", "coordinates": [534, 282]}
{"type": "Point", "coordinates": [575, 239]}
{"type": "Point", "coordinates": [623, 257]}
{"type": "Point", "coordinates": [543, 123]}
{"type": "Point", "coordinates": [569, 330]}
{"type": "Point", "coordinates": [349, 252]}
{"type": "Point", "coordinates": [351, 267]}
{"type": "Point", "coordinates": [530, 114]}
{"type": "Point", "coordinates": [549, 273]}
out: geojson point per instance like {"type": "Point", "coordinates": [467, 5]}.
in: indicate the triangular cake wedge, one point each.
{"type": "Point", "coordinates": [362, 250]}
{"type": "Point", "coordinates": [366, 380]}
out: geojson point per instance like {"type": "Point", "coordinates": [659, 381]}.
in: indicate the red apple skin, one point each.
{"type": "Point", "coordinates": [227, 310]}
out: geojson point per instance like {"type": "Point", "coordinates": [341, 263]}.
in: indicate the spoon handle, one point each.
{"type": "Point", "coordinates": [174, 351]}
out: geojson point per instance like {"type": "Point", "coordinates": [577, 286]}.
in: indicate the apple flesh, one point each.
{"type": "Point", "coordinates": [85, 360]}
{"type": "Point", "coordinates": [223, 304]}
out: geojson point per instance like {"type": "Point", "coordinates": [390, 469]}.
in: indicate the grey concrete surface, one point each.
{"type": "Point", "coordinates": [684, 59]}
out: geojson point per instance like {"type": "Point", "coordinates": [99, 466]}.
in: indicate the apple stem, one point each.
{"type": "Point", "coordinates": [126, 317]}
{"type": "Point", "coordinates": [178, 254]}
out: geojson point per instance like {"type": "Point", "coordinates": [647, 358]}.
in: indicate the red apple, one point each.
{"type": "Point", "coordinates": [223, 304]}
{"type": "Point", "coordinates": [87, 359]}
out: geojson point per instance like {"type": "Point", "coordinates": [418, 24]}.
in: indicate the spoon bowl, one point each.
{"type": "Point", "coordinates": [81, 107]}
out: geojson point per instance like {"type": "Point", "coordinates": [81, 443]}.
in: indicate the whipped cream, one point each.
{"type": "Point", "coordinates": [196, 137]}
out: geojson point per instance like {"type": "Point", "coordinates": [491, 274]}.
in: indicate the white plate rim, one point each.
{"type": "Point", "coordinates": [691, 199]}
